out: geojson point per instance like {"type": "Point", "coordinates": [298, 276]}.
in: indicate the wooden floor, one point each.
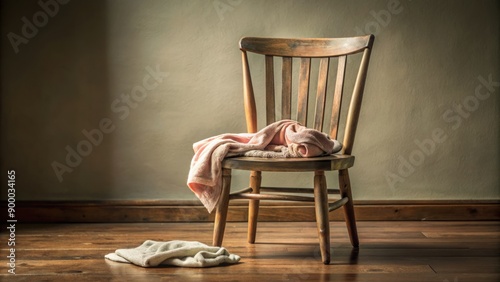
{"type": "Point", "coordinates": [390, 251]}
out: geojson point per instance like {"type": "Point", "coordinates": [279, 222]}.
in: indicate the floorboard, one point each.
{"type": "Point", "coordinates": [390, 251]}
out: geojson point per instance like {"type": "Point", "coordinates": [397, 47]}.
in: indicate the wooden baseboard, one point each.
{"type": "Point", "coordinates": [189, 211]}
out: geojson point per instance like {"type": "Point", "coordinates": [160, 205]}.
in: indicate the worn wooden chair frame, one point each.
{"type": "Point", "coordinates": [305, 49]}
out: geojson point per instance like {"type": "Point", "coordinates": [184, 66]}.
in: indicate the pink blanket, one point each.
{"type": "Point", "coordinates": [287, 137]}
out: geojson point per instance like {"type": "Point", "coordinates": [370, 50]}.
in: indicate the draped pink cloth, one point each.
{"type": "Point", "coordinates": [290, 137]}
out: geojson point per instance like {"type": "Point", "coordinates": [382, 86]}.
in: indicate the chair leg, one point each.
{"type": "Point", "coordinates": [253, 206]}
{"type": "Point", "coordinates": [350, 218]}
{"type": "Point", "coordinates": [222, 207]}
{"type": "Point", "coordinates": [322, 221]}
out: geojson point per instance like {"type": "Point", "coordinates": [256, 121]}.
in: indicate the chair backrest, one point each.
{"type": "Point", "coordinates": [306, 50]}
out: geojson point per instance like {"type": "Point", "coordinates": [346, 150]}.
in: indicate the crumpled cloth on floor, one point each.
{"type": "Point", "coordinates": [282, 139]}
{"type": "Point", "coordinates": [177, 253]}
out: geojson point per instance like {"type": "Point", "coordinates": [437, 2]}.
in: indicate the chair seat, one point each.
{"type": "Point", "coordinates": [324, 163]}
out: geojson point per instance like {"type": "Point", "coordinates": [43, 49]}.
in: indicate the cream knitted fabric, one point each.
{"type": "Point", "coordinates": [177, 253]}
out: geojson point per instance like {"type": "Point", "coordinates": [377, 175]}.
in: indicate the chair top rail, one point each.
{"type": "Point", "coordinates": [306, 47]}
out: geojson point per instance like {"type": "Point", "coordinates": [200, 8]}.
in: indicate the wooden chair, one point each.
{"type": "Point", "coordinates": [307, 51]}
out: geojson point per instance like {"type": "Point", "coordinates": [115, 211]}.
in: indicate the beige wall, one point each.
{"type": "Point", "coordinates": [71, 68]}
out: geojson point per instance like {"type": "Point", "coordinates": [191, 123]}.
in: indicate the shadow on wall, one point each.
{"type": "Point", "coordinates": [55, 98]}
